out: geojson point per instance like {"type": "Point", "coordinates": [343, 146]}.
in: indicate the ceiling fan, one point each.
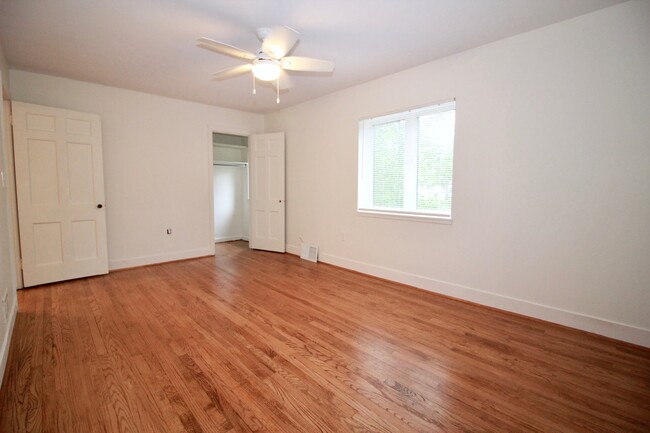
{"type": "Point", "coordinates": [271, 60]}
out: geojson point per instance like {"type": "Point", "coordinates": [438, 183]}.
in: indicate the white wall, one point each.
{"type": "Point", "coordinates": [8, 281]}
{"type": "Point", "coordinates": [157, 164]}
{"type": "Point", "coordinates": [551, 184]}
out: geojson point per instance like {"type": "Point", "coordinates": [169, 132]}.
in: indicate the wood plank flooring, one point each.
{"type": "Point", "coordinates": [250, 341]}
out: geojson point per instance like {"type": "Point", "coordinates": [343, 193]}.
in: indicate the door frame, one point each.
{"type": "Point", "coordinates": [218, 129]}
{"type": "Point", "coordinates": [7, 141]}
{"type": "Point", "coordinates": [7, 149]}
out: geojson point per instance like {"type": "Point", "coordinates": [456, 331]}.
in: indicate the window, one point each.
{"type": "Point", "coordinates": [406, 162]}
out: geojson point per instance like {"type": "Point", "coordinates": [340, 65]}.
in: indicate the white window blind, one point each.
{"type": "Point", "coordinates": [388, 165]}
{"type": "Point", "coordinates": [406, 162]}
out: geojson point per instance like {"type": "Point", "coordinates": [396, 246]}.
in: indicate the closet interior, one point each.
{"type": "Point", "coordinates": [230, 177]}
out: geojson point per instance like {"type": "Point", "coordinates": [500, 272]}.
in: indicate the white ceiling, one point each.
{"type": "Point", "coordinates": [150, 45]}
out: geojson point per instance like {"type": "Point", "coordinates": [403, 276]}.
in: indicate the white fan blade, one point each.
{"type": "Point", "coordinates": [307, 64]}
{"type": "Point", "coordinates": [280, 42]}
{"type": "Point", "coordinates": [222, 48]}
{"type": "Point", "coordinates": [232, 72]}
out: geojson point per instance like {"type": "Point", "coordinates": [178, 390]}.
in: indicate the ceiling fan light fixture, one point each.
{"type": "Point", "coordinates": [270, 61]}
{"type": "Point", "coordinates": [266, 69]}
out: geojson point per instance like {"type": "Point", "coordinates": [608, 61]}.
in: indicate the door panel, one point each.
{"type": "Point", "coordinates": [59, 185]}
{"type": "Point", "coordinates": [80, 173]}
{"type": "Point", "coordinates": [48, 242]}
{"type": "Point", "coordinates": [40, 122]}
{"type": "Point", "coordinates": [43, 173]}
{"type": "Point", "coordinates": [84, 240]}
{"type": "Point", "coordinates": [266, 154]}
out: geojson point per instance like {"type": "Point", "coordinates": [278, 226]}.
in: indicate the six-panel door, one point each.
{"type": "Point", "coordinates": [266, 157]}
{"type": "Point", "coordinates": [60, 193]}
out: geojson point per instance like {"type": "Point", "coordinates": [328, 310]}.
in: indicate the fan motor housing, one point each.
{"type": "Point", "coordinates": [263, 33]}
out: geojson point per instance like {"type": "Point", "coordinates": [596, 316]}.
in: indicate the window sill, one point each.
{"type": "Point", "coordinates": [405, 216]}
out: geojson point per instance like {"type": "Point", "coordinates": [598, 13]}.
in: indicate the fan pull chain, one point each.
{"type": "Point", "coordinates": [277, 101]}
{"type": "Point", "coordinates": [254, 90]}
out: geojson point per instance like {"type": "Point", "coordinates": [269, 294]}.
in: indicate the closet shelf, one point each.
{"type": "Point", "coordinates": [231, 163]}
{"type": "Point", "coordinates": [230, 146]}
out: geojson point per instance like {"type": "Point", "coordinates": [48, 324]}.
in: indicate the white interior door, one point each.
{"type": "Point", "coordinates": [60, 193]}
{"type": "Point", "coordinates": [267, 205]}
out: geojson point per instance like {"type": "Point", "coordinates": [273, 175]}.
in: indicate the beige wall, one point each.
{"type": "Point", "coordinates": [4, 67]}
{"type": "Point", "coordinates": [8, 281]}
{"type": "Point", "coordinates": [157, 164]}
{"type": "Point", "coordinates": [551, 184]}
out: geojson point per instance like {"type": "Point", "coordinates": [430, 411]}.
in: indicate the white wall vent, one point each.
{"type": "Point", "coordinates": [309, 252]}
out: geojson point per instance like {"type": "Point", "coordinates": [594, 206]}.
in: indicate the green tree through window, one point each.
{"type": "Point", "coordinates": [435, 161]}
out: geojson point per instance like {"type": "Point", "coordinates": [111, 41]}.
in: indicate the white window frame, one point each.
{"type": "Point", "coordinates": [365, 169]}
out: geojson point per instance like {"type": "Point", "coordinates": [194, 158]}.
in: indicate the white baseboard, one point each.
{"type": "Point", "coordinates": [616, 330]}
{"type": "Point", "coordinates": [230, 238]}
{"type": "Point", "coordinates": [4, 352]}
{"type": "Point", "coordinates": [159, 258]}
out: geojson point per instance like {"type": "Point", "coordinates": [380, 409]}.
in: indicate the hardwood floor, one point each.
{"type": "Point", "coordinates": [261, 342]}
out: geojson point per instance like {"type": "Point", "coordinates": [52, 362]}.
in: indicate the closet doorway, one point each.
{"type": "Point", "coordinates": [230, 187]}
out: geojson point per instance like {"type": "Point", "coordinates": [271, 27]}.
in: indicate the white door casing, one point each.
{"type": "Point", "coordinates": [60, 193]}
{"type": "Point", "coordinates": [267, 196]}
